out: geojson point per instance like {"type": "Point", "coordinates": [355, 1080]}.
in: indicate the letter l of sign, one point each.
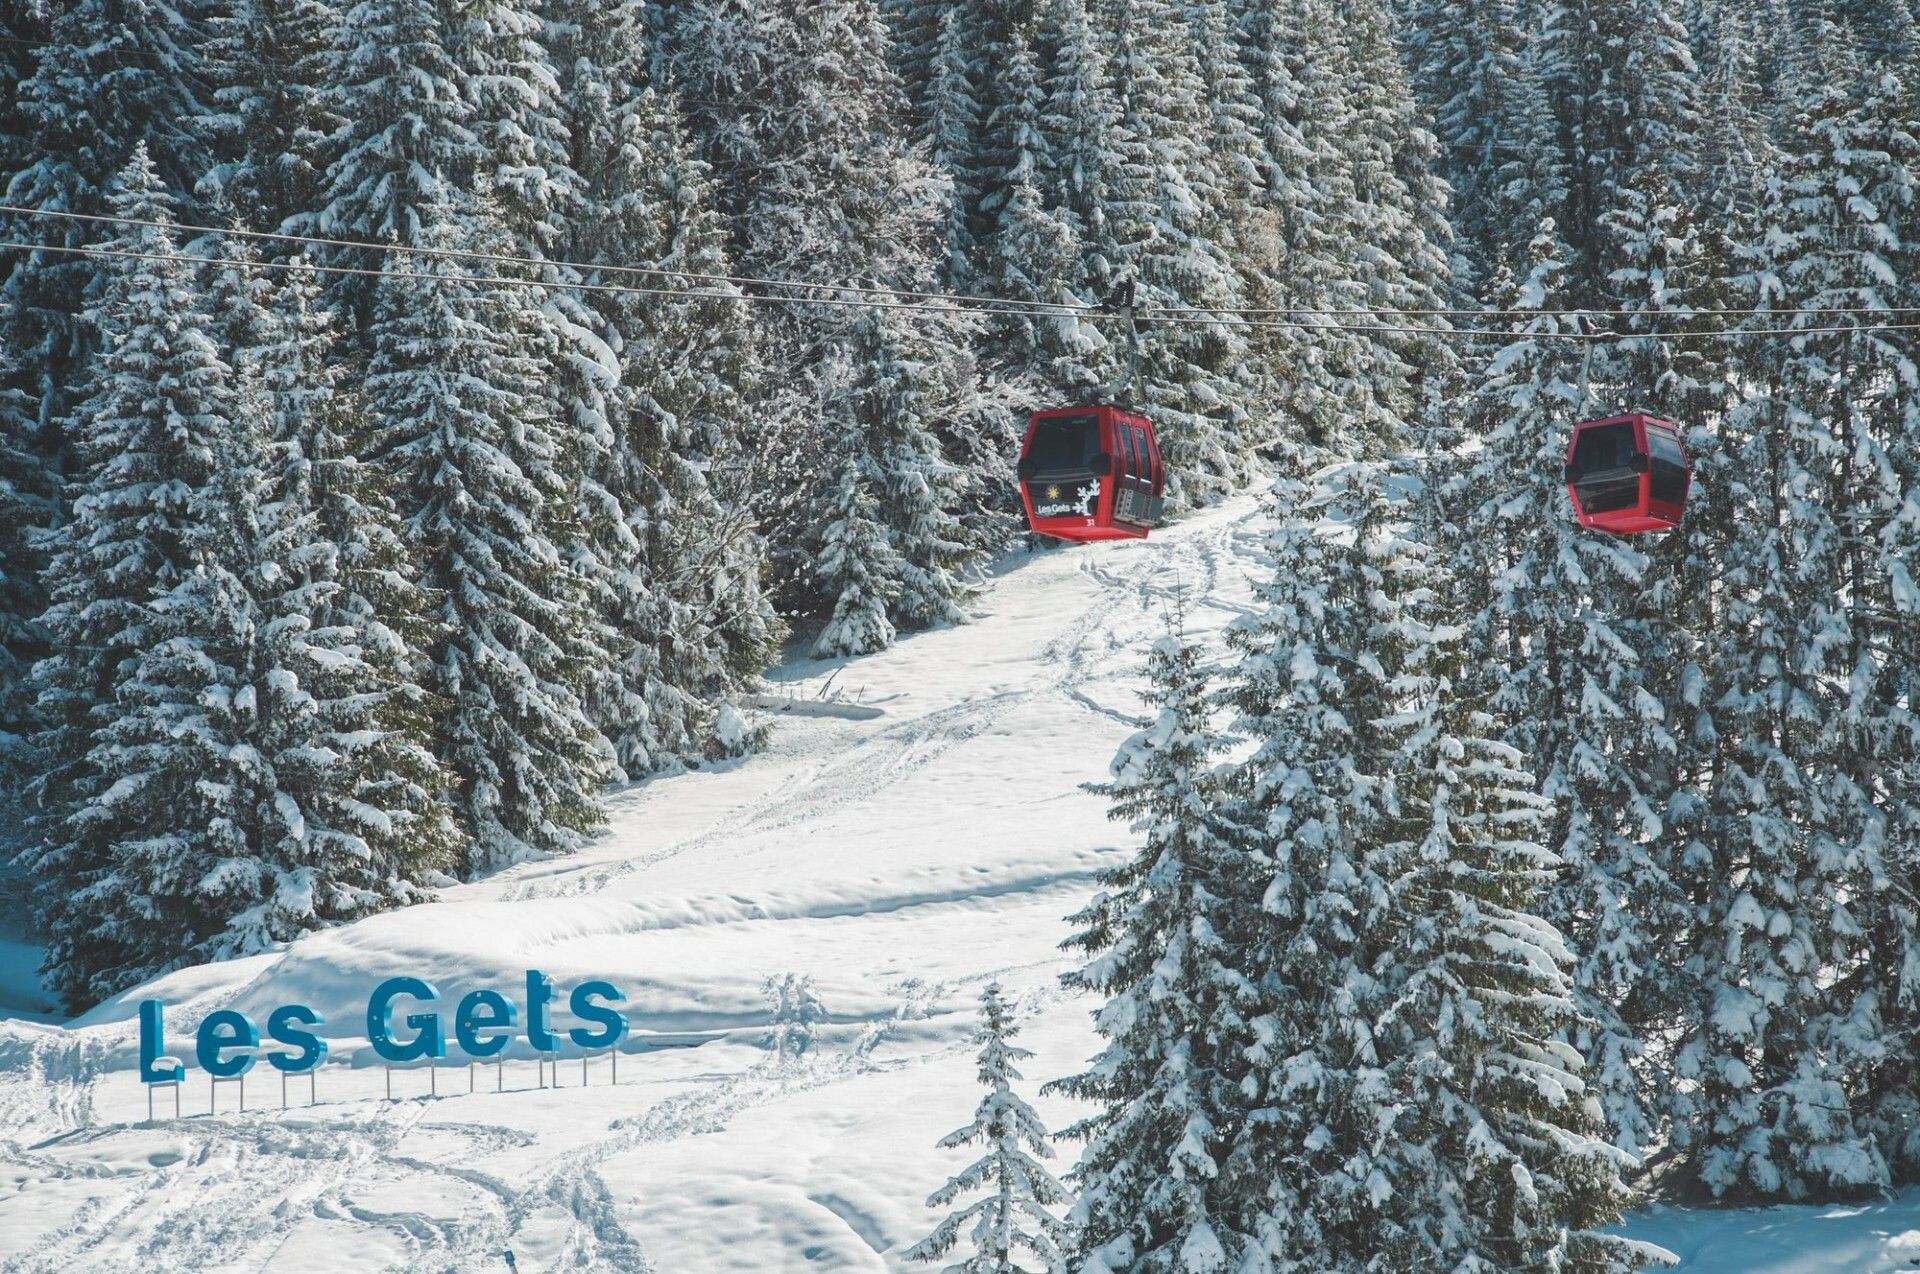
{"type": "Point", "coordinates": [153, 1044]}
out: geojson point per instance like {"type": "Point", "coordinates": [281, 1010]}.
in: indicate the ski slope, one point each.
{"type": "Point", "coordinates": [916, 828]}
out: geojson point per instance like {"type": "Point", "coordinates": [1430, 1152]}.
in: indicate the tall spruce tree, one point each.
{"type": "Point", "coordinates": [775, 96]}
{"type": "Point", "coordinates": [270, 118]}
{"type": "Point", "coordinates": [183, 782]}
{"type": "Point", "coordinates": [469, 439]}
{"type": "Point", "coordinates": [1884, 703]}
{"type": "Point", "coordinates": [969, 38]}
{"type": "Point", "coordinates": [1343, 162]}
{"type": "Point", "coordinates": [356, 819]}
{"type": "Point", "coordinates": [1077, 124]}
{"type": "Point", "coordinates": [1414, 1102]}
{"type": "Point", "coordinates": [1295, 367]}
{"type": "Point", "coordinates": [112, 75]}
{"type": "Point", "coordinates": [1623, 88]}
{"type": "Point", "coordinates": [26, 504]}
{"type": "Point", "coordinates": [1028, 248]}
{"type": "Point", "coordinates": [656, 396]}
{"type": "Point", "coordinates": [1569, 637]}
{"type": "Point", "coordinates": [23, 29]}
{"type": "Point", "coordinates": [1783, 1053]}
{"type": "Point", "coordinates": [698, 375]}
{"type": "Point", "coordinates": [1164, 194]}
{"type": "Point", "coordinates": [1653, 257]}
{"type": "Point", "coordinates": [1535, 177]}
{"type": "Point", "coordinates": [501, 52]}
{"type": "Point", "coordinates": [29, 480]}
{"type": "Point", "coordinates": [875, 400]}
{"type": "Point", "coordinates": [407, 145]}
{"type": "Point", "coordinates": [1164, 1180]}
{"type": "Point", "coordinates": [1736, 148]}
{"type": "Point", "coordinates": [136, 697]}
{"type": "Point", "coordinates": [1463, 67]}
{"type": "Point", "coordinates": [1015, 1219]}
{"type": "Point", "coordinates": [1380, 191]}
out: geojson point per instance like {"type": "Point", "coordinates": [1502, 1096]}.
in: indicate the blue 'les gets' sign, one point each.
{"type": "Point", "coordinates": [483, 1024]}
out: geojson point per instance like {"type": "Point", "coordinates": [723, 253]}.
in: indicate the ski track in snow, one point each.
{"type": "Point", "coordinates": [897, 750]}
{"type": "Point", "coordinates": [904, 861]}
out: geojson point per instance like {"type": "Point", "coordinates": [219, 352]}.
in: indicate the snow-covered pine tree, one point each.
{"type": "Point", "coordinates": [699, 372]}
{"type": "Point", "coordinates": [950, 56]}
{"type": "Point", "coordinates": [1077, 125]}
{"type": "Point", "coordinates": [26, 480]}
{"type": "Point", "coordinates": [499, 49]}
{"type": "Point", "coordinates": [183, 785]}
{"type": "Point", "coordinates": [1661, 267]}
{"type": "Point", "coordinates": [1463, 67]}
{"type": "Point", "coordinates": [777, 96]}
{"type": "Point", "coordinates": [1389, 223]}
{"type": "Point", "coordinates": [1247, 226]}
{"type": "Point", "coordinates": [1164, 1180]}
{"type": "Point", "coordinates": [969, 38]}
{"type": "Point", "coordinates": [23, 28]}
{"type": "Point", "coordinates": [1015, 1220]}
{"type": "Point", "coordinates": [270, 117]}
{"type": "Point", "coordinates": [914, 29]}
{"type": "Point", "coordinates": [1534, 176]}
{"type": "Point", "coordinates": [112, 74]}
{"type": "Point", "coordinates": [1568, 638]}
{"type": "Point", "coordinates": [1623, 87]}
{"type": "Point", "coordinates": [1235, 216]}
{"type": "Point", "coordinates": [497, 56]}
{"type": "Point", "coordinates": [408, 144]}
{"type": "Point", "coordinates": [656, 394]}
{"type": "Point", "coordinates": [27, 490]}
{"type": "Point", "coordinates": [1294, 369]}
{"type": "Point", "coordinates": [1411, 1101]}
{"type": "Point", "coordinates": [138, 694]}
{"type": "Point", "coordinates": [23, 32]}
{"type": "Point", "coordinates": [1164, 196]}
{"type": "Point", "coordinates": [1735, 147]}
{"type": "Point", "coordinates": [356, 820]}
{"type": "Point", "coordinates": [247, 773]}
{"type": "Point", "coordinates": [239, 295]}
{"type": "Point", "coordinates": [1028, 249]}
{"type": "Point", "coordinates": [469, 439]}
{"type": "Point", "coordinates": [1342, 164]}
{"type": "Point", "coordinates": [1885, 702]}
{"type": "Point", "coordinates": [858, 558]}
{"type": "Point", "coordinates": [1652, 256]}
{"type": "Point", "coordinates": [112, 554]}
{"type": "Point", "coordinates": [1811, 768]}
{"type": "Point", "coordinates": [888, 474]}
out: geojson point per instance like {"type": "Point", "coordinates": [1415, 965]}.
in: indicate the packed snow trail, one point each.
{"type": "Point", "coordinates": [902, 860]}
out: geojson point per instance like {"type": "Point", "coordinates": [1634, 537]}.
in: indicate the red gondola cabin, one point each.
{"type": "Point", "coordinates": [1628, 474]}
{"type": "Point", "coordinates": [1091, 473]}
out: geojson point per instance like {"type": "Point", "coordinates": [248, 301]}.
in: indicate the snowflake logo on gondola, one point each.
{"type": "Point", "coordinates": [1089, 496]}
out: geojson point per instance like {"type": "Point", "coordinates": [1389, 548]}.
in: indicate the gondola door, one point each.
{"type": "Point", "coordinates": [1157, 481]}
{"type": "Point", "coordinates": [1131, 489]}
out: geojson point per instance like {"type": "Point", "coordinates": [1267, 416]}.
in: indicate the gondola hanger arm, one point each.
{"type": "Point", "coordinates": [1124, 302]}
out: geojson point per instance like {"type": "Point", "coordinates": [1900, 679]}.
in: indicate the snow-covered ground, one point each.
{"type": "Point", "coordinates": [902, 860]}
